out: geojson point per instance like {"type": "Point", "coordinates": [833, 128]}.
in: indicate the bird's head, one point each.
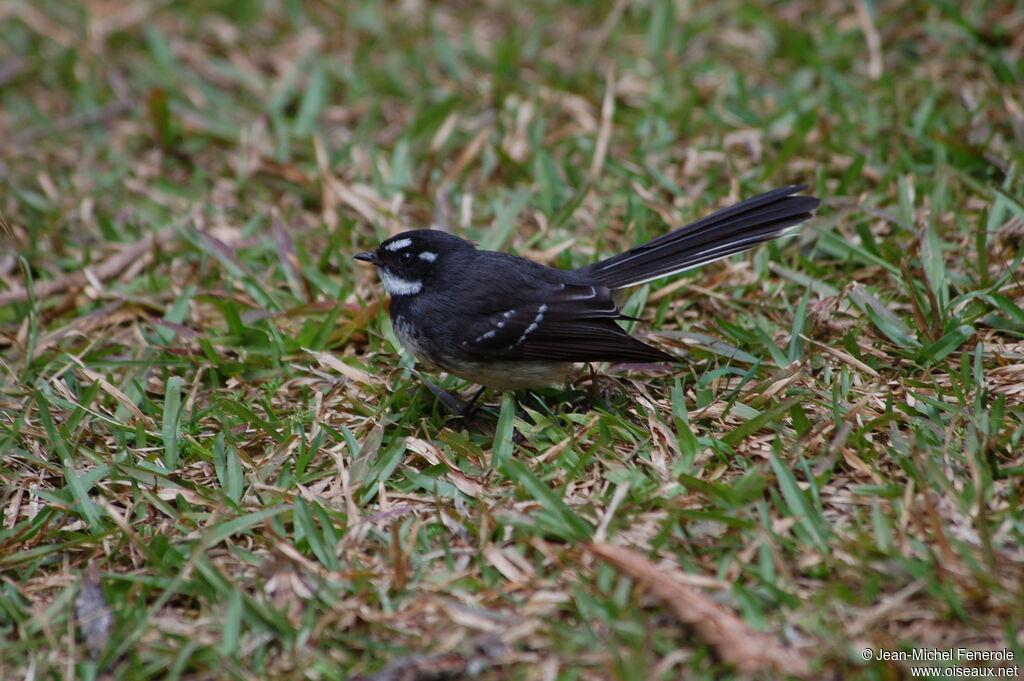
{"type": "Point", "coordinates": [407, 260]}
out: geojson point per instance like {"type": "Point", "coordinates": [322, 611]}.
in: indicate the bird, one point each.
{"type": "Point", "coordinates": [507, 322]}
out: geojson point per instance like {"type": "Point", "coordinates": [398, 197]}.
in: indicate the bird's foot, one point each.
{"type": "Point", "coordinates": [467, 412]}
{"type": "Point", "coordinates": [462, 414]}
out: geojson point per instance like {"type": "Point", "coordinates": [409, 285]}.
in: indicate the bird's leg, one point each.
{"type": "Point", "coordinates": [469, 409]}
{"type": "Point", "coordinates": [593, 386]}
{"type": "Point", "coordinates": [463, 413]}
{"type": "Point", "coordinates": [448, 401]}
{"type": "Point", "coordinates": [585, 401]}
{"type": "Point", "coordinates": [598, 395]}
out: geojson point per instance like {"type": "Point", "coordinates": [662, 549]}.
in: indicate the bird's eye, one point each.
{"type": "Point", "coordinates": [405, 257]}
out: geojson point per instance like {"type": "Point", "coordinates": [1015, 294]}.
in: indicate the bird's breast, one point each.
{"type": "Point", "coordinates": [412, 339]}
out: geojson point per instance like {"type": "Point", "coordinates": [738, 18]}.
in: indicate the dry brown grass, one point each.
{"type": "Point", "coordinates": [215, 463]}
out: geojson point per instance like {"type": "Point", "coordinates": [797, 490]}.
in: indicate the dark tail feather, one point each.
{"type": "Point", "coordinates": [731, 230]}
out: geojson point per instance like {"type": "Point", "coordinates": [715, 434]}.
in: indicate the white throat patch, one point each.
{"type": "Point", "coordinates": [397, 286]}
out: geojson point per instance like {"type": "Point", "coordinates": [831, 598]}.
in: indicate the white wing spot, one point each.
{"type": "Point", "coordinates": [530, 329]}
{"type": "Point", "coordinates": [501, 325]}
{"type": "Point", "coordinates": [485, 336]}
{"type": "Point", "coordinates": [398, 244]}
{"type": "Point", "coordinates": [507, 314]}
{"type": "Point", "coordinates": [428, 256]}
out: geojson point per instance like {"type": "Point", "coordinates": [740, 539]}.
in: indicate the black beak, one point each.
{"type": "Point", "coordinates": [369, 256]}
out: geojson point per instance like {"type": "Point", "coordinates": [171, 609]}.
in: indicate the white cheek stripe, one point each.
{"type": "Point", "coordinates": [397, 286]}
{"type": "Point", "coordinates": [428, 256]}
{"type": "Point", "coordinates": [398, 245]}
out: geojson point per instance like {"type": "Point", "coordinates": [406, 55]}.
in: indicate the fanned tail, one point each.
{"type": "Point", "coordinates": [762, 218]}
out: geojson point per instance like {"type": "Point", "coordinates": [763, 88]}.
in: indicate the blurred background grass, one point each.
{"type": "Point", "coordinates": [199, 397]}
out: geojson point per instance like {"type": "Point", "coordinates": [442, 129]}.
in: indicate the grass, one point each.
{"type": "Point", "coordinates": [213, 450]}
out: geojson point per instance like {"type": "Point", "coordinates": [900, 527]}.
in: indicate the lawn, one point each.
{"type": "Point", "coordinates": [217, 463]}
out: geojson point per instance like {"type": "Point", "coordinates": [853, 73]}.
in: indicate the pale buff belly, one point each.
{"type": "Point", "coordinates": [506, 375]}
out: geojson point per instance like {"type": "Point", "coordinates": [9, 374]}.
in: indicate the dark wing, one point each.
{"type": "Point", "coordinates": [573, 323]}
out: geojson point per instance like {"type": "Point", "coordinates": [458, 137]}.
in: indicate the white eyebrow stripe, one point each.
{"type": "Point", "coordinates": [428, 256]}
{"type": "Point", "coordinates": [397, 286]}
{"type": "Point", "coordinates": [398, 245]}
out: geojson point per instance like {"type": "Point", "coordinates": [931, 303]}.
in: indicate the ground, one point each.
{"type": "Point", "coordinates": [216, 463]}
